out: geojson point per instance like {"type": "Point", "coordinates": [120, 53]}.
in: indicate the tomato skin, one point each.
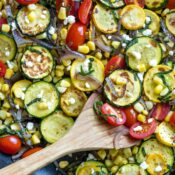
{"type": "Point", "coordinates": [131, 116]}
{"type": "Point", "coordinates": [76, 35]}
{"type": "Point", "coordinates": [107, 109]}
{"type": "Point", "coordinates": [116, 62]}
{"type": "Point", "coordinates": [31, 151]}
{"type": "Point", "coordinates": [10, 144]}
{"type": "Point", "coordinates": [2, 21]}
{"type": "Point", "coordinates": [27, 2]}
{"type": "Point", "coordinates": [2, 69]}
{"type": "Point", "coordinates": [171, 4]}
{"type": "Point", "coordinates": [84, 10]}
{"type": "Point", "coordinates": [141, 3]}
{"type": "Point", "coordinates": [172, 119]}
{"type": "Point", "coordinates": [147, 129]}
{"type": "Point", "coordinates": [160, 111]}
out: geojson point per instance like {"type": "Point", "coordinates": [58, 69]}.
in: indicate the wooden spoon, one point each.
{"type": "Point", "coordinates": [88, 133]}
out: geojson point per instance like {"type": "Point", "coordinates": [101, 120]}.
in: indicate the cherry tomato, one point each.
{"type": "Point", "coordinates": [76, 35]}
{"type": "Point", "coordinates": [131, 116]}
{"type": "Point", "coordinates": [27, 2]}
{"type": "Point", "coordinates": [58, 4]}
{"type": "Point", "coordinates": [142, 130]}
{"type": "Point", "coordinates": [118, 117]}
{"type": "Point", "coordinates": [172, 119]}
{"type": "Point", "coordinates": [171, 4]}
{"type": "Point", "coordinates": [2, 21]}
{"type": "Point", "coordinates": [84, 10]}
{"type": "Point", "coordinates": [2, 69]}
{"type": "Point", "coordinates": [74, 8]}
{"type": "Point", "coordinates": [141, 3]}
{"type": "Point", "coordinates": [10, 144]}
{"type": "Point", "coordinates": [160, 111]}
{"type": "Point", "coordinates": [114, 63]}
{"type": "Point", "coordinates": [31, 151]}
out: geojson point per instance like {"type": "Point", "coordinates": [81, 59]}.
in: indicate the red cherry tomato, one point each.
{"type": "Point", "coordinates": [74, 8]}
{"type": "Point", "coordinates": [2, 69]}
{"type": "Point", "coordinates": [118, 117]}
{"type": "Point", "coordinates": [160, 111]}
{"type": "Point", "coordinates": [31, 151]}
{"type": "Point", "coordinates": [131, 116]}
{"type": "Point", "coordinates": [27, 2]}
{"type": "Point", "coordinates": [172, 119]}
{"type": "Point", "coordinates": [114, 63]}
{"type": "Point", "coordinates": [2, 21]}
{"type": "Point", "coordinates": [144, 129]}
{"type": "Point", "coordinates": [76, 35]}
{"type": "Point", "coordinates": [58, 4]}
{"type": "Point", "coordinates": [10, 144]}
{"type": "Point", "coordinates": [141, 3]}
{"type": "Point", "coordinates": [84, 10]}
{"type": "Point", "coordinates": [171, 4]}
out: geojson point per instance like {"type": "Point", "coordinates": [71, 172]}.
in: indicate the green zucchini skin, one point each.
{"type": "Point", "coordinates": [116, 5]}
{"type": "Point", "coordinates": [155, 4]}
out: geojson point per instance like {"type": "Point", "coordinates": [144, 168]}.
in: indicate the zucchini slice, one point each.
{"type": "Point", "coordinates": [55, 126]}
{"type": "Point", "coordinates": [155, 4]}
{"type": "Point", "coordinates": [91, 166]}
{"type": "Point", "coordinates": [73, 101]}
{"type": "Point", "coordinates": [116, 4]}
{"type": "Point", "coordinates": [131, 167]}
{"type": "Point", "coordinates": [38, 25]}
{"type": "Point", "coordinates": [133, 17]}
{"type": "Point", "coordinates": [104, 19]}
{"type": "Point", "coordinates": [122, 94]}
{"type": "Point", "coordinates": [143, 51]}
{"type": "Point", "coordinates": [170, 22]}
{"type": "Point", "coordinates": [36, 62]}
{"type": "Point", "coordinates": [154, 25]}
{"type": "Point", "coordinates": [148, 83]}
{"type": "Point", "coordinates": [8, 48]}
{"type": "Point", "coordinates": [166, 134]}
{"type": "Point", "coordinates": [152, 146]}
{"type": "Point", "coordinates": [93, 77]}
{"type": "Point", "coordinates": [41, 92]}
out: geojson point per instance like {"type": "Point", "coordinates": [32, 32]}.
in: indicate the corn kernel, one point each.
{"type": "Point", "coordinates": [158, 89]}
{"type": "Point", "coordinates": [66, 62]}
{"type": "Point", "coordinates": [170, 44]}
{"type": "Point", "coordinates": [168, 116]}
{"type": "Point", "coordinates": [6, 105]}
{"type": "Point", "coordinates": [15, 127]}
{"type": "Point", "coordinates": [112, 1]}
{"type": "Point", "coordinates": [138, 107]}
{"type": "Point", "coordinates": [2, 96]}
{"type": "Point", "coordinates": [102, 154]}
{"type": "Point", "coordinates": [35, 139]}
{"type": "Point", "coordinates": [4, 2]}
{"type": "Point", "coordinates": [38, 134]}
{"type": "Point", "coordinates": [5, 88]}
{"type": "Point", "coordinates": [4, 14]}
{"type": "Point", "coordinates": [113, 153]}
{"type": "Point", "coordinates": [65, 83]}
{"type": "Point", "coordinates": [56, 79]}
{"type": "Point", "coordinates": [144, 112]}
{"type": "Point", "coordinates": [19, 102]}
{"type": "Point", "coordinates": [54, 36]}
{"type": "Point", "coordinates": [165, 12]}
{"type": "Point", "coordinates": [104, 62]}
{"type": "Point", "coordinates": [99, 55]}
{"type": "Point", "coordinates": [83, 49]}
{"type": "Point", "coordinates": [115, 44]}
{"type": "Point", "coordinates": [164, 92]}
{"type": "Point", "coordinates": [60, 67]}
{"type": "Point", "coordinates": [127, 152]}
{"type": "Point", "coordinates": [9, 114]}
{"type": "Point", "coordinates": [107, 54]}
{"type": "Point", "coordinates": [59, 73]}
{"type": "Point", "coordinates": [48, 78]}
{"type": "Point", "coordinates": [91, 45]}
{"type": "Point", "coordinates": [157, 80]}
{"type": "Point", "coordinates": [63, 164]}
{"type": "Point", "coordinates": [114, 169]}
{"type": "Point", "coordinates": [8, 121]}
{"type": "Point", "coordinates": [5, 28]}
{"type": "Point", "coordinates": [62, 13]}
{"type": "Point", "coordinates": [119, 160]}
{"type": "Point", "coordinates": [9, 73]}
{"type": "Point", "coordinates": [120, 81]}
{"type": "Point", "coordinates": [141, 68]}
{"type": "Point", "coordinates": [63, 33]}
{"type": "Point", "coordinates": [42, 36]}
{"type": "Point", "coordinates": [42, 105]}
{"type": "Point", "coordinates": [31, 16]}
{"type": "Point", "coordinates": [149, 105]}
{"type": "Point", "coordinates": [3, 114]}
{"type": "Point", "coordinates": [108, 163]}
{"type": "Point", "coordinates": [141, 118]}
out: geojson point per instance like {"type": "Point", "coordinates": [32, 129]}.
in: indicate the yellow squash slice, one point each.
{"type": "Point", "coordinates": [170, 22]}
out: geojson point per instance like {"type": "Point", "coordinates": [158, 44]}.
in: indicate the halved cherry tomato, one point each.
{"type": "Point", "coordinates": [27, 2]}
{"type": "Point", "coordinates": [84, 10]}
{"type": "Point", "coordinates": [2, 69]}
{"type": "Point", "coordinates": [31, 151]}
{"type": "Point", "coordinates": [160, 111]}
{"type": "Point", "coordinates": [116, 62]}
{"type": "Point", "coordinates": [171, 4]}
{"type": "Point", "coordinates": [172, 119]}
{"type": "Point", "coordinates": [141, 3]}
{"type": "Point", "coordinates": [146, 129]}
{"type": "Point", "coordinates": [10, 144]}
{"type": "Point", "coordinates": [75, 5]}
{"type": "Point", "coordinates": [76, 35]}
{"type": "Point", "coordinates": [131, 116]}
{"type": "Point", "coordinates": [58, 4]}
{"type": "Point", "coordinates": [2, 21]}
{"type": "Point", "coordinates": [117, 116]}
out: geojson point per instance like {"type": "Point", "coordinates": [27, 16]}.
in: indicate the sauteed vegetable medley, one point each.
{"type": "Point", "coordinates": [55, 53]}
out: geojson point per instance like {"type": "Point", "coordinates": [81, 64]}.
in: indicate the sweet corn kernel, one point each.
{"type": "Point", "coordinates": [145, 112]}
{"type": "Point", "coordinates": [83, 49]}
{"type": "Point", "coordinates": [63, 33]}
{"type": "Point", "coordinates": [141, 118]}
{"type": "Point", "coordinates": [59, 73]}
{"type": "Point", "coordinates": [4, 2]}
{"type": "Point", "coordinates": [9, 114]}
{"type": "Point", "coordinates": [168, 116]}
{"type": "Point", "coordinates": [113, 153]}
{"type": "Point", "coordinates": [9, 73]}
{"type": "Point", "coordinates": [104, 62]}
{"type": "Point", "coordinates": [54, 36]}
{"type": "Point", "coordinates": [158, 89]}
{"type": "Point", "coordinates": [107, 54]}
{"type": "Point", "coordinates": [119, 160]}
{"type": "Point", "coordinates": [138, 107]}
{"type": "Point", "coordinates": [127, 152]}
{"type": "Point", "coordinates": [2, 96]}
{"type": "Point", "coordinates": [99, 55]}
{"type": "Point", "coordinates": [63, 164]}
{"type": "Point", "coordinates": [5, 28]}
{"type": "Point", "coordinates": [8, 121]}
{"type": "Point", "coordinates": [42, 105]}
{"type": "Point", "coordinates": [108, 163]}
{"type": "Point", "coordinates": [165, 12]}
{"type": "Point", "coordinates": [65, 83]}
{"type": "Point", "coordinates": [15, 127]}
{"type": "Point", "coordinates": [6, 105]}
{"type": "Point", "coordinates": [62, 13]}
{"type": "Point", "coordinates": [112, 1]}
{"type": "Point", "coordinates": [5, 88]}
{"type": "Point", "coordinates": [102, 154]}
{"type": "Point", "coordinates": [120, 81]}
{"type": "Point", "coordinates": [91, 45]}
{"type": "Point", "coordinates": [19, 102]}
{"type": "Point", "coordinates": [170, 44]}
{"type": "Point", "coordinates": [157, 80]}
{"type": "Point", "coordinates": [149, 105]}
{"type": "Point", "coordinates": [3, 114]}
{"type": "Point", "coordinates": [66, 62]}
{"type": "Point", "coordinates": [4, 14]}
{"type": "Point", "coordinates": [31, 16]}
{"type": "Point", "coordinates": [38, 134]}
{"type": "Point", "coordinates": [115, 44]}
{"type": "Point", "coordinates": [42, 36]}
{"type": "Point", "coordinates": [114, 169]}
{"type": "Point", "coordinates": [164, 92]}
{"type": "Point", "coordinates": [48, 78]}
{"type": "Point", "coordinates": [35, 139]}
{"type": "Point", "coordinates": [141, 68]}
{"type": "Point", "coordinates": [56, 79]}
{"type": "Point", "coordinates": [60, 67]}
